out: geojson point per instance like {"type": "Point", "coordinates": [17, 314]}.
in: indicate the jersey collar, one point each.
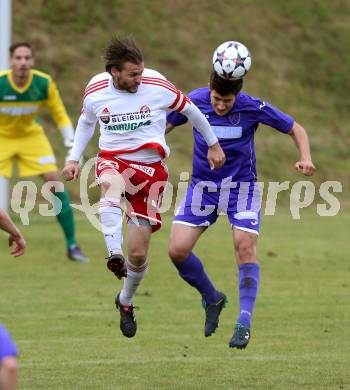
{"type": "Point", "coordinates": [16, 87]}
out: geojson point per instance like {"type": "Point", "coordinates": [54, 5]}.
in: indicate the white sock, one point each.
{"type": "Point", "coordinates": [132, 282]}
{"type": "Point", "coordinates": [4, 193]}
{"type": "Point", "coordinates": [111, 219]}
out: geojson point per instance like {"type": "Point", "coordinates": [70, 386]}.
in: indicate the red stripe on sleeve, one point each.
{"type": "Point", "coordinates": [178, 96]}
{"type": "Point", "coordinates": [159, 80]}
{"type": "Point", "coordinates": [96, 89]}
{"type": "Point", "coordinates": [158, 85]}
{"type": "Point", "coordinates": [93, 85]}
{"type": "Point", "coordinates": [184, 101]}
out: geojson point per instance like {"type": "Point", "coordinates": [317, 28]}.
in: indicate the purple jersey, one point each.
{"type": "Point", "coordinates": [7, 346]}
{"type": "Point", "coordinates": [235, 131]}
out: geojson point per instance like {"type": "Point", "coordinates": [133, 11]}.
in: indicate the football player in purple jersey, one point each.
{"type": "Point", "coordinates": [233, 189]}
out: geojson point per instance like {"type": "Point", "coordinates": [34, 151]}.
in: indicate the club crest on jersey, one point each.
{"type": "Point", "coordinates": [235, 118]}
{"type": "Point", "coordinates": [105, 117]}
{"type": "Point", "coordinates": [145, 109]}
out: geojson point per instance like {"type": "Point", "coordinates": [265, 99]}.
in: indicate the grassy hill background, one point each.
{"type": "Point", "coordinates": [300, 63]}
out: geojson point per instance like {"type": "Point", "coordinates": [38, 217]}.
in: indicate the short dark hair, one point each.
{"type": "Point", "coordinates": [223, 86]}
{"type": "Point", "coordinates": [120, 51]}
{"type": "Point", "coordinates": [15, 46]}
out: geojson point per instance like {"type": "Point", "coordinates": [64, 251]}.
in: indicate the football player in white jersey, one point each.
{"type": "Point", "coordinates": [130, 103]}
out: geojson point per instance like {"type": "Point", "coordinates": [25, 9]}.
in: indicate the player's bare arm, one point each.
{"type": "Point", "coordinates": [301, 139]}
{"type": "Point", "coordinates": [15, 235]}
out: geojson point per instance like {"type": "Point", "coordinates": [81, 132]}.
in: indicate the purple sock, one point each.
{"type": "Point", "coordinates": [248, 288]}
{"type": "Point", "coordinates": [192, 271]}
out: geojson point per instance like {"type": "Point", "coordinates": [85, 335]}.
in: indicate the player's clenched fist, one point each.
{"type": "Point", "coordinates": [71, 170]}
{"type": "Point", "coordinates": [306, 167]}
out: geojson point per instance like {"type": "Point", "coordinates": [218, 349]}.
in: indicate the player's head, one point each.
{"type": "Point", "coordinates": [21, 59]}
{"type": "Point", "coordinates": [223, 93]}
{"type": "Point", "coordinates": [124, 61]}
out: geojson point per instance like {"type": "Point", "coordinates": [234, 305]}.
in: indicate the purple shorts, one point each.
{"type": "Point", "coordinates": [204, 202]}
{"type": "Point", "coordinates": [7, 346]}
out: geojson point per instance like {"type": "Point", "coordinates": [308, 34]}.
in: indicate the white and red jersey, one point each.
{"type": "Point", "coordinates": [131, 122]}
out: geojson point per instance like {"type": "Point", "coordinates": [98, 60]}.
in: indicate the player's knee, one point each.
{"type": "Point", "coordinates": [245, 250]}
{"type": "Point", "coordinates": [105, 186]}
{"type": "Point", "coordinates": [177, 252]}
{"type": "Point", "coordinates": [111, 188]}
{"type": "Point", "coordinates": [137, 256]}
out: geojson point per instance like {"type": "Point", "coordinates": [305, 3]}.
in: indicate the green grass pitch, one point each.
{"type": "Point", "coordinates": [63, 319]}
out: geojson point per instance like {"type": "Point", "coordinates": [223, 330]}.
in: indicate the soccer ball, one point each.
{"type": "Point", "coordinates": [232, 60]}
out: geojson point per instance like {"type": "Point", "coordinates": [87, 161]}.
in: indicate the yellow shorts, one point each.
{"type": "Point", "coordinates": [33, 154]}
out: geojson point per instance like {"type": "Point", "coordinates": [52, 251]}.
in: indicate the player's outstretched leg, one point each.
{"type": "Point", "coordinates": [249, 274]}
{"type": "Point", "coordinates": [124, 300]}
{"type": "Point", "coordinates": [66, 220]}
{"type": "Point", "coordinates": [192, 271]}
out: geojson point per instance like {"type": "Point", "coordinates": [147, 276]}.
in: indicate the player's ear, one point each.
{"type": "Point", "coordinates": [114, 71]}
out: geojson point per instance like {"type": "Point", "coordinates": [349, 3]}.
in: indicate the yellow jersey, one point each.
{"type": "Point", "coordinates": [20, 106]}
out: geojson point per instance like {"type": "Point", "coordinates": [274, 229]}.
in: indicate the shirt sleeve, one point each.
{"type": "Point", "coordinates": [84, 131]}
{"type": "Point", "coordinates": [172, 98]}
{"type": "Point", "coordinates": [56, 107]}
{"type": "Point", "coordinates": [271, 116]}
{"type": "Point", "coordinates": [87, 111]}
{"type": "Point", "coordinates": [199, 121]}
{"type": "Point", "coordinates": [183, 109]}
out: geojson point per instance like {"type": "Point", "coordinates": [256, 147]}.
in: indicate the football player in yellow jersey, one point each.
{"type": "Point", "coordinates": [23, 92]}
